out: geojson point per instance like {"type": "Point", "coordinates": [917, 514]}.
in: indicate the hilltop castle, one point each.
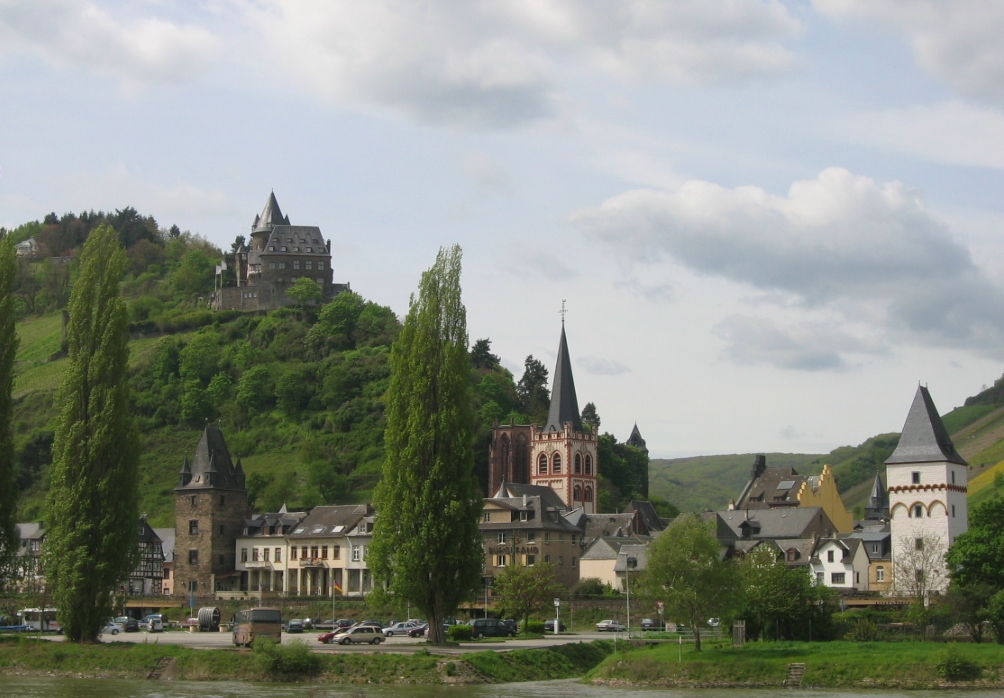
{"type": "Point", "coordinates": [279, 254]}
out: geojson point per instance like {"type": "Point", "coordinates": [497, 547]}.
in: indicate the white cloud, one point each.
{"type": "Point", "coordinates": [872, 253]}
{"type": "Point", "coordinates": [118, 187]}
{"type": "Point", "coordinates": [498, 63]}
{"type": "Point", "coordinates": [136, 50]}
{"type": "Point", "coordinates": [601, 367]}
{"type": "Point", "coordinates": [949, 133]}
{"type": "Point", "coordinates": [959, 43]}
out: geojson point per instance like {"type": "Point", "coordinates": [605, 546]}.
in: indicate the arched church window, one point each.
{"type": "Point", "coordinates": [577, 494]}
{"type": "Point", "coordinates": [556, 463]}
{"type": "Point", "coordinates": [589, 464]}
{"type": "Point", "coordinates": [542, 464]}
{"type": "Point", "coordinates": [506, 465]}
{"type": "Point", "coordinates": [589, 493]}
{"type": "Point", "coordinates": [578, 463]}
{"type": "Point", "coordinates": [521, 460]}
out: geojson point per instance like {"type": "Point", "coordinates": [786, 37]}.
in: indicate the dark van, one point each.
{"type": "Point", "coordinates": [489, 627]}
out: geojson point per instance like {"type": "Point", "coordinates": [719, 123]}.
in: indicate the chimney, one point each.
{"type": "Point", "coordinates": [759, 465]}
{"type": "Point", "coordinates": [524, 500]}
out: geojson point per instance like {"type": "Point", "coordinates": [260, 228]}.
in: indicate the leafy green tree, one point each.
{"type": "Point", "coordinates": [329, 483]}
{"type": "Point", "coordinates": [93, 499]}
{"type": "Point", "coordinates": [196, 406]}
{"type": "Point", "coordinates": [220, 390]}
{"type": "Point", "coordinates": [254, 389]}
{"type": "Point", "coordinates": [305, 292]}
{"type": "Point", "coordinates": [975, 556]}
{"type": "Point", "coordinates": [8, 348]}
{"type": "Point", "coordinates": [482, 356]}
{"type": "Point", "coordinates": [534, 396]}
{"type": "Point", "coordinates": [969, 606]}
{"type": "Point", "coordinates": [686, 572]}
{"type": "Point", "coordinates": [429, 549]}
{"type": "Point", "coordinates": [994, 611]}
{"type": "Point", "coordinates": [522, 591]}
{"type": "Point", "coordinates": [256, 484]}
{"type": "Point", "coordinates": [591, 418]}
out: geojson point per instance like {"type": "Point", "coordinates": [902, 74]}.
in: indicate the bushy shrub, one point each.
{"type": "Point", "coordinates": [291, 661]}
{"type": "Point", "coordinates": [954, 667]}
{"type": "Point", "coordinates": [863, 630]}
{"type": "Point", "coordinates": [534, 626]}
{"type": "Point", "coordinates": [460, 633]}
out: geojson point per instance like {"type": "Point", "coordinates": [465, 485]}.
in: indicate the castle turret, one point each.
{"type": "Point", "coordinates": [878, 501]}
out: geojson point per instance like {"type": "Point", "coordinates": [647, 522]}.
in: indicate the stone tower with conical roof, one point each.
{"type": "Point", "coordinates": [564, 454]}
{"type": "Point", "coordinates": [877, 508]}
{"type": "Point", "coordinates": [210, 505]}
{"type": "Point", "coordinates": [927, 490]}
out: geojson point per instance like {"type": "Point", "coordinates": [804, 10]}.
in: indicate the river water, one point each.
{"type": "Point", "coordinates": [116, 688]}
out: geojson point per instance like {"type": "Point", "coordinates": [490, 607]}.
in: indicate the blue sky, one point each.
{"type": "Point", "coordinates": [769, 220]}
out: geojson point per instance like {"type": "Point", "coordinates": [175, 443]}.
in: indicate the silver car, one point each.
{"type": "Point", "coordinates": [359, 634]}
{"type": "Point", "coordinates": [402, 628]}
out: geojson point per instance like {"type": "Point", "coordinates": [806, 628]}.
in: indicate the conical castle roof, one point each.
{"type": "Point", "coordinates": [564, 404]}
{"type": "Point", "coordinates": [925, 438]}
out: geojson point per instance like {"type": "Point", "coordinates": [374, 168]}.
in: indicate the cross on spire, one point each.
{"type": "Point", "coordinates": [562, 312]}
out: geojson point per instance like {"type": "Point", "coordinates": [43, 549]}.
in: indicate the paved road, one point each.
{"type": "Point", "coordinates": [390, 644]}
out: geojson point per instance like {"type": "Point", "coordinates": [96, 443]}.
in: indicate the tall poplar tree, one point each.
{"type": "Point", "coordinates": [426, 543]}
{"type": "Point", "coordinates": [92, 540]}
{"type": "Point", "coordinates": [8, 347]}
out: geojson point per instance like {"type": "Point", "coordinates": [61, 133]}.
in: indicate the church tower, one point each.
{"type": "Point", "coordinates": [927, 490]}
{"type": "Point", "coordinates": [564, 453]}
{"type": "Point", "coordinates": [210, 505]}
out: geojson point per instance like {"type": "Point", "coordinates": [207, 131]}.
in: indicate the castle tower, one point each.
{"type": "Point", "coordinates": [210, 506]}
{"type": "Point", "coordinates": [927, 497]}
{"type": "Point", "coordinates": [878, 501]}
{"type": "Point", "coordinates": [563, 453]}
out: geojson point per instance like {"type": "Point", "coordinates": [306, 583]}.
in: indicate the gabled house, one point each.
{"type": "Point", "coordinates": [841, 563]}
{"type": "Point", "coordinates": [600, 558]}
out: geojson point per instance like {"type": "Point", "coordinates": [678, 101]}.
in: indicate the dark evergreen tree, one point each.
{"type": "Point", "coordinates": [427, 545]}
{"type": "Point", "coordinates": [534, 396]}
{"type": "Point", "coordinates": [591, 418]}
{"type": "Point", "coordinates": [482, 356]}
{"type": "Point", "coordinates": [8, 347]}
{"type": "Point", "coordinates": [93, 514]}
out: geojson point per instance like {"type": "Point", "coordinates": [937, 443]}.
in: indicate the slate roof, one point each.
{"type": "Point", "coordinates": [331, 521]}
{"type": "Point", "coordinates": [609, 525]}
{"type": "Point", "coordinates": [798, 522]}
{"type": "Point", "coordinates": [564, 404]}
{"type": "Point", "coordinates": [296, 239]}
{"type": "Point", "coordinates": [635, 439]}
{"type": "Point", "coordinates": [516, 490]}
{"type": "Point", "coordinates": [924, 438]}
{"type": "Point", "coordinates": [30, 531]}
{"type": "Point", "coordinates": [211, 467]}
{"type": "Point", "coordinates": [543, 516]}
{"type": "Point", "coordinates": [878, 501]}
{"type": "Point", "coordinates": [646, 512]}
{"type": "Point", "coordinates": [606, 547]}
{"type": "Point", "coordinates": [273, 524]}
{"type": "Point", "coordinates": [637, 551]}
{"type": "Point", "coordinates": [146, 533]}
{"type": "Point", "coordinates": [166, 536]}
{"type": "Point", "coordinates": [774, 487]}
{"type": "Point", "coordinates": [270, 216]}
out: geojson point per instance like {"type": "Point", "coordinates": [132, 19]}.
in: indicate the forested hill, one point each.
{"type": "Point", "coordinates": [297, 391]}
{"type": "Point", "coordinates": [709, 482]}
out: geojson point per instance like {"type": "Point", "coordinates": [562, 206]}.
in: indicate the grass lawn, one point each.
{"type": "Point", "coordinates": [827, 665]}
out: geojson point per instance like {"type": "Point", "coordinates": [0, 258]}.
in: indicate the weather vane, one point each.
{"type": "Point", "coordinates": [562, 312]}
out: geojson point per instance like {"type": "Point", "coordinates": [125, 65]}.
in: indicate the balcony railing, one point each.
{"type": "Point", "coordinates": [313, 562]}
{"type": "Point", "coordinates": [258, 565]}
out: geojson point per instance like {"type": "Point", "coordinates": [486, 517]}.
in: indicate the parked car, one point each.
{"type": "Point", "coordinates": [489, 627]}
{"type": "Point", "coordinates": [131, 625]}
{"type": "Point", "coordinates": [325, 624]}
{"type": "Point", "coordinates": [399, 628]}
{"type": "Point", "coordinates": [714, 622]}
{"type": "Point", "coordinates": [153, 623]}
{"type": "Point", "coordinates": [372, 623]}
{"type": "Point", "coordinates": [294, 626]}
{"type": "Point", "coordinates": [356, 634]}
{"type": "Point", "coordinates": [419, 630]}
{"type": "Point", "coordinates": [651, 624]}
{"type": "Point", "coordinates": [343, 623]}
{"type": "Point", "coordinates": [609, 626]}
{"type": "Point", "coordinates": [111, 628]}
{"type": "Point", "coordinates": [549, 626]}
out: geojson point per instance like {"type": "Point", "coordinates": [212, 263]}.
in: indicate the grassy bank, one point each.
{"type": "Point", "coordinates": [29, 657]}
{"type": "Point", "coordinates": [827, 665]}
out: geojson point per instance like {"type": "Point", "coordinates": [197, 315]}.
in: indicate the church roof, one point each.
{"type": "Point", "coordinates": [925, 438]}
{"type": "Point", "coordinates": [211, 466]}
{"type": "Point", "coordinates": [515, 490]}
{"type": "Point", "coordinates": [635, 438]}
{"type": "Point", "coordinates": [564, 404]}
{"type": "Point", "coordinates": [270, 216]}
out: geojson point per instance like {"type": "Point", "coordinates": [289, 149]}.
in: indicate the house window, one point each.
{"type": "Point", "coordinates": [837, 578]}
{"type": "Point", "coordinates": [919, 576]}
{"type": "Point", "coordinates": [819, 577]}
{"type": "Point", "coordinates": [573, 562]}
{"type": "Point", "coordinates": [292, 553]}
{"type": "Point", "coordinates": [880, 574]}
{"type": "Point", "coordinates": [531, 560]}
{"type": "Point", "coordinates": [282, 265]}
{"type": "Point", "coordinates": [953, 477]}
{"type": "Point", "coordinates": [547, 559]}
{"type": "Point", "coordinates": [556, 463]}
{"type": "Point", "coordinates": [303, 552]}
{"type": "Point", "coordinates": [915, 477]}
{"type": "Point", "coordinates": [531, 536]}
{"type": "Point", "coordinates": [320, 281]}
{"type": "Point", "coordinates": [313, 552]}
{"type": "Point", "coordinates": [578, 463]}
{"type": "Point", "coordinates": [324, 552]}
{"type": "Point", "coordinates": [336, 552]}
{"type": "Point", "coordinates": [264, 555]}
{"type": "Point", "coordinates": [857, 577]}
{"type": "Point", "coordinates": [500, 560]}
{"type": "Point", "coordinates": [223, 500]}
{"type": "Point", "coordinates": [875, 548]}
{"type": "Point", "coordinates": [486, 517]}
{"type": "Point", "coordinates": [192, 585]}
{"type": "Point", "coordinates": [309, 249]}
{"type": "Point", "coordinates": [577, 493]}
{"type": "Point", "coordinates": [522, 515]}
{"type": "Point", "coordinates": [542, 464]}
{"type": "Point", "coordinates": [194, 499]}
{"type": "Point", "coordinates": [193, 528]}
{"type": "Point", "coordinates": [308, 265]}
{"type": "Point", "coordinates": [223, 530]}
{"type": "Point", "coordinates": [356, 553]}
{"type": "Point", "coordinates": [193, 557]}
{"type": "Point", "coordinates": [271, 265]}
{"type": "Point", "coordinates": [254, 554]}
{"type": "Point", "coordinates": [918, 543]}
{"type": "Point", "coordinates": [953, 511]}
{"type": "Point", "coordinates": [501, 537]}
{"type": "Point", "coordinates": [589, 490]}
{"type": "Point", "coordinates": [292, 279]}
{"type": "Point", "coordinates": [296, 264]}
{"type": "Point", "coordinates": [283, 249]}
{"type": "Point", "coordinates": [244, 554]}
{"type": "Point", "coordinates": [278, 554]}
{"type": "Point", "coordinates": [829, 556]}
{"type": "Point", "coordinates": [589, 466]}
{"type": "Point", "coordinates": [271, 248]}
{"type": "Point", "coordinates": [320, 266]}
{"type": "Point", "coordinates": [547, 537]}
{"type": "Point", "coordinates": [561, 559]}
{"type": "Point", "coordinates": [918, 511]}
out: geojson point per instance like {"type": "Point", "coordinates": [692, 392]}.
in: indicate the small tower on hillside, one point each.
{"type": "Point", "coordinates": [878, 502]}
{"type": "Point", "coordinates": [564, 453]}
{"type": "Point", "coordinates": [927, 497]}
{"type": "Point", "coordinates": [210, 505]}
{"type": "Point", "coordinates": [636, 440]}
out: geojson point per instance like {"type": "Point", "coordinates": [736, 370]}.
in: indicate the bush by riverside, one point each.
{"type": "Point", "coordinates": [952, 666]}
{"type": "Point", "coordinates": [459, 633]}
{"type": "Point", "coordinates": [534, 626]}
{"type": "Point", "coordinates": [294, 660]}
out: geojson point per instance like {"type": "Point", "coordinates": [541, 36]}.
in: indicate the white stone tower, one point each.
{"type": "Point", "coordinates": [926, 479]}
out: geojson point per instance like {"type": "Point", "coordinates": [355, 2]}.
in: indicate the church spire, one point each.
{"type": "Point", "coordinates": [270, 216]}
{"type": "Point", "coordinates": [564, 404]}
{"type": "Point", "coordinates": [925, 438]}
{"type": "Point", "coordinates": [878, 501]}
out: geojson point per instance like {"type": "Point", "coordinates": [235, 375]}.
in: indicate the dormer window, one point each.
{"type": "Point", "coordinates": [272, 248]}
{"type": "Point", "coordinates": [282, 249]}
{"type": "Point", "coordinates": [523, 516]}
{"type": "Point", "coordinates": [310, 249]}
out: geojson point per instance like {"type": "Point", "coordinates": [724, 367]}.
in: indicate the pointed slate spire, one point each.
{"type": "Point", "coordinates": [271, 215]}
{"type": "Point", "coordinates": [878, 501]}
{"type": "Point", "coordinates": [211, 466]}
{"type": "Point", "coordinates": [564, 404]}
{"type": "Point", "coordinates": [924, 438]}
{"type": "Point", "coordinates": [636, 440]}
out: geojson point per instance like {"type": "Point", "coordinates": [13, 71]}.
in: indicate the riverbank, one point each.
{"type": "Point", "coordinates": [24, 656]}
{"type": "Point", "coordinates": [909, 665]}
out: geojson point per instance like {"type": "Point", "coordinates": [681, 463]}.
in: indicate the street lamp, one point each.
{"type": "Point", "coordinates": [557, 619]}
{"type": "Point", "coordinates": [632, 562]}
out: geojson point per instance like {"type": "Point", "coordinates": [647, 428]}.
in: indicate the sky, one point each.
{"type": "Point", "coordinates": [768, 220]}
